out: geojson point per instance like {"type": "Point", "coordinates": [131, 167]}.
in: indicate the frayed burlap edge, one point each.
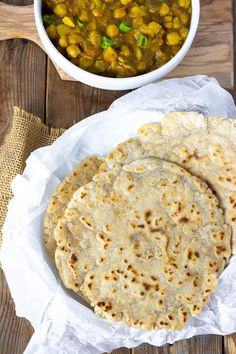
{"type": "Point", "coordinates": [54, 133]}
{"type": "Point", "coordinates": [26, 133]}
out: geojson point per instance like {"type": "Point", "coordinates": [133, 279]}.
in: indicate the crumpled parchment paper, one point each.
{"type": "Point", "coordinates": [62, 322]}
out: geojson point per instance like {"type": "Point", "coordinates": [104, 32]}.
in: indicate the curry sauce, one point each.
{"type": "Point", "coordinates": [118, 38]}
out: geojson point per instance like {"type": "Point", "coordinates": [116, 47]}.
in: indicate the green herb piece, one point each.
{"type": "Point", "coordinates": [106, 42]}
{"type": "Point", "coordinates": [142, 41]}
{"type": "Point", "coordinates": [125, 27]}
{"type": "Point", "coordinates": [48, 20]}
{"type": "Point", "coordinates": [80, 24]}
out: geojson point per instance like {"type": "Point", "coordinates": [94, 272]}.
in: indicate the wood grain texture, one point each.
{"type": "Point", "coordinates": [211, 53]}
{"type": "Point", "coordinates": [22, 78]}
{"type": "Point", "coordinates": [209, 344]}
{"type": "Point", "coordinates": [149, 349]}
{"type": "Point", "coordinates": [70, 102]}
{"type": "Point", "coordinates": [15, 332]}
{"type": "Point", "coordinates": [121, 351]}
{"type": "Point", "coordinates": [230, 344]}
{"type": "Point", "coordinates": [18, 22]}
{"type": "Point", "coordinates": [22, 82]}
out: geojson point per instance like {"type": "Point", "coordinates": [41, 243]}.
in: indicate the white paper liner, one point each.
{"type": "Point", "coordinates": [62, 323]}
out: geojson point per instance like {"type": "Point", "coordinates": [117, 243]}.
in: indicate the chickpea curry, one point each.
{"type": "Point", "coordinates": [117, 38]}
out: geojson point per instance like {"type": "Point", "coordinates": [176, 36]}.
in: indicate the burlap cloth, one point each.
{"type": "Point", "coordinates": [27, 133]}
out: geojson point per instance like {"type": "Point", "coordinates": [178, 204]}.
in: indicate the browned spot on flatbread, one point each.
{"type": "Point", "coordinates": [184, 220]}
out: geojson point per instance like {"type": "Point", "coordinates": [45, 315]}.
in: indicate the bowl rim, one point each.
{"type": "Point", "coordinates": [112, 83]}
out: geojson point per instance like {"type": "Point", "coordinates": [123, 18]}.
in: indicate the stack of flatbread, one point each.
{"type": "Point", "coordinates": [143, 234]}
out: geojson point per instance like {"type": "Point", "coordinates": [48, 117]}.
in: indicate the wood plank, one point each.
{"type": "Point", "coordinates": [22, 79]}
{"type": "Point", "coordinates": [70, 102]}
{"type": "Point", "coordinates": [15, 332]}
{"type": "Point", "coordinates": [230, 344]}
{"type": "Point", "coordinates": [22, 82]}
{"type": "Point", "coordinates": [18, 22]}
{"type": "Point", "coordinates": [207, 344]}
{"type": "Point", "coordinates": [149, 349]}
{"type": "Point", "coordinates": [121, 351]}
{"type": "Point", "coordinates": [233, 91]}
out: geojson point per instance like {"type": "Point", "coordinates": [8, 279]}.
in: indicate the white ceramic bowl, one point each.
{"type": "Point", "coordinates": [107, 82]}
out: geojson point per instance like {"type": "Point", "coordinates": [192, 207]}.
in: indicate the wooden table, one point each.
{"type": "Point", "coordinates": [28, 79]}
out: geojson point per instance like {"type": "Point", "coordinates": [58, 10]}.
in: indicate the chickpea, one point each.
{"type": "Point", "coordinates": [119, 13]}
{"type": "Point", "coordinates": [168, 22]}
{"type": "Point", "coordinates": [137, 21]}
{"type": "Point", "coordinates": [95, 38]}
{"type": "Point", "coordinates": [63, 42]}
{"type": "Point", "coordinates": [97, 12]}
{"type": "Point", "coordinates": [97, 3]}
{"type": "Point", "coordinates": [112, 31]}
{"type": "Point", "coordinates": [84, 16]}
{"type": "Point", "coordinates": [100, 65]}
{"type": "Point", "coordinates": [183, 32]}
{"type": "Point", "coordinates": [125, 2]}
{"type": "Point", "coordinates": [85, 62]}
{"type": "Point", "coordinates": [74, 38]}
{"type": "Point", "coordinates": [109, 55]}
{"type": "Point", "coordinates": [137, 11]}
{"type": "Point", "coordinates": [176, 23]}
{"type": "Point", "coordinates": [177, 12]}
{"type": "Point", "coordinates": [168, 25]}
{"type": "Point", "coordinates": [73, 51]}
{"type": "Point", "coordinates": [184, 3]}
{"type": "Point", "coordinates": [60, 10]}
{"type": "Point", "coordinates": [164, 10]}
{"type": "Point", "coordinates": [184, 18]}
{"type": "Point", "coordinates": [168, 18]}
{"type": "Point", "coordinates": [52, 32]}
{"type": "Point", "coordinates": [143, 28]}
{"type": "Point", "coordinates": [173, 38]}
{"type": "Point", "coordinates": [125, 50]}
{"type": "Point", "coordinates": [92, 26]}
{"type": "Point", "coordinates": [154, 27]}
{"type": "Point", "coordinates": [63, 30]}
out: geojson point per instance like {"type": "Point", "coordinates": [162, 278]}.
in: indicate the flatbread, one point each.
{"type": "Point", "coordinates": [144, 242]}
{"type": "Point", "coordinates": [80, 175]}
{"type": "Point", "coordinates": [204, 146]}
